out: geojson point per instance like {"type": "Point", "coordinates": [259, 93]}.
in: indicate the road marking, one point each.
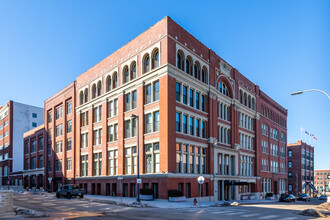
{"type": "Point", "coordinates": [269, 216]}
{"type": "Point", "coordinates": [250, 215]}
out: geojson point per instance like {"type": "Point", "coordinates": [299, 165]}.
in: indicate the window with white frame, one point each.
{"type": "Point", "coordinates": [113, 162]}
{"type": "Point", "coordinates": [84, 140]}
{"type": "Point", "coordinates": [97, 137]}
{"type": "Point", "coordinates": [97, 113]}
{"type": "Point", "coordinates": [152, 158]}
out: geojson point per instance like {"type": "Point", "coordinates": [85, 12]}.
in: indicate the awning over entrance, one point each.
{"type": "Point", "coordinates": [310, 184]}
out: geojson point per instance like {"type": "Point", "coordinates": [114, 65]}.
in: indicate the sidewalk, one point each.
{"type": "Point", "coordinates": [159, 203]}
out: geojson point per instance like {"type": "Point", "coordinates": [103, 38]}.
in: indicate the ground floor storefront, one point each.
{"type": "Point", "coordinates": [127, 186]}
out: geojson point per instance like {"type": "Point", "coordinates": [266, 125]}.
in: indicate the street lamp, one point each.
{"type": "Point", "coordinates": [309, 90]}
{"type": "Point", "coordinates": [138, 157]}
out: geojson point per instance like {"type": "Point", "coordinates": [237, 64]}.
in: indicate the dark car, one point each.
{"type": "Point", "coordinates": [287, 198]}
{"type": "Point", "coordinates": [69, 191]}
{"type": "Point", "coordinates": [323, 197]}
{"type": "Point", "coordinates": [304, 197]}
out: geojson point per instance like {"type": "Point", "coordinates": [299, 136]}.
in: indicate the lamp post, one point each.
{"type": "Point", "coordinates": [138, 157]}
{"type": "Point", "coordinates": [309, 90]}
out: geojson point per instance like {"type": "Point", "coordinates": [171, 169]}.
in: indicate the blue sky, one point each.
{"type": "Point", "coordinates": [283, 46]}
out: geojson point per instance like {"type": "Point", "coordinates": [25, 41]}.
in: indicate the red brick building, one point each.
{"type": "Point", "coordinates": [322, 181]}
{"type": "Point", "coordinates": [197, 115]}
{"type": "Point", "coordinates": [300, 168]}
{"type": "Point", "coordinates": [15, 119]}
{"type": "Point", "coordinates": [34, 158]}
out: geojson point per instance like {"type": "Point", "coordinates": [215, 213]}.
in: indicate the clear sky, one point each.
{"type": "Point", "coordinates": [283, 46]}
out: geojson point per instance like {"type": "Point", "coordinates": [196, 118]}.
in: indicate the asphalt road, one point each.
{"type": "Point", "coordinates": [83, 209]}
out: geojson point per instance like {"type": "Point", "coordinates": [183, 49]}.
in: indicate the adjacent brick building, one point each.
{"type": "Point", "coordinates": [15, 119]}
{"type": "Point", "coordinates": [34, 158]}
{"type": "Point", "coordinates": [300, 168]}
{"type": "Point", "coordinates": [197, 115]}
{"type": "Point", "coordinates": [322, 181]}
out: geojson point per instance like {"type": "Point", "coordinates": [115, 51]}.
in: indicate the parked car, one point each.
{"type": "Point", "coordinates": [69, 191]}
{"type": "Point", "coordinates": [323, 197]}
{"type": "Point", "coordinates": [287, 198]}
{"type": "Point", "coordinates": [304, 197]}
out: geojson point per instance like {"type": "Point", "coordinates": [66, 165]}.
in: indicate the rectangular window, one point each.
{"type": "Point", "coordinates": [191, 124]}
{"type": "Point", "coordinates": [184, 94]}
{"type": "Point", "coordinates": [69, 144]}
{"type": "Point", "coordinates": [84, 119]}
{"type": "Point", "coordinates": [58, 165]}
{"type": "Point", "coordinates": [68, 164]}
{"type": "Point", "coordinates": [197, 127]}
{"type": "Point", "coordinates": [27, 147]}
{"type": "Point", "coordinates": [110, 109]}
{"type": "Point", "coordinates": [178, 122]}
{"type": "Point", "coordinates": [41, 143]}
{"type": "Point", "coordinates": [203, 129]}
{"type": "Point", "coordinates": [41, 161]}
{"type": "Point", "coordinates": [148, 154]}
{"type": "Point", "coordinates": [290, 153]}
{"type": "Point", "coordinates": [34, 115]}
{"type": "Point", "coordinates": [128, 161]}
{"type": "Point", "coordinates": [69, 126]}
{"type": "Point", "coordinates": [156, 91]}
{"type": "Point", "coordinates": [148, 123]}
{"type": "Point", "coordinates": [178, 91]}
{"type": "Point", "coordinates": [59, 130]}
{"type": "Point", "coordinates": [84, 165]}
{"type": "Point", "coordinates": [58, 148]}
{"type": "Point", "coordinates": [134, 99]}
{"type": "Point", "coordinates": [116, 132]}
{"type": "Point", "coordinates": [134, 127]}
{"type": "Point", "coordinates": [49, 149]}
{"type": "Point", "coordinates": [50, 117]}
{"type": "Point", "coordinates": [147, 94]}
{"type": "Point", "coordinates": [191, 97]}
{"type": "Point", "coordinates": [59, 112]}
{"type": "Point", "coordinates": [128, 129]}
{"type": "Point", "coordinates": [97, 164]}
{"type": "Point", "coordinates": [128, 102]}
{"type": "Point", "coordinates": [34, 146]}
{"type": "Point", "coordinates": [185, 124]}
{"type": "Point", "coordinates": [115, 111]}
{"type": "Point", "coordinates": [69, 108]}
{"type": "Point", "coordinates": [156, 121]}
{"type": "Point", "coordinates": [203, 103]}
{"type": "Point", "coordinates": [34, 124]}
{"type": "Point", "coordinates": [197, 100]}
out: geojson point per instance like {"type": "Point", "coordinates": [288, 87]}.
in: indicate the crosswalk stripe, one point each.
{"type": "Point", "coordinates": [268, 217]}
{"type": "Point", "coordinates": [221, 212]}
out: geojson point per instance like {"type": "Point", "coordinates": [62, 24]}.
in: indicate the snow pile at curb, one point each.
{"type": "Point", "coordinates": [313, 213]}
{"type": "Point", "coordinates": [29, 213]}
{"type": "Point", "coordinates": [225, 204]}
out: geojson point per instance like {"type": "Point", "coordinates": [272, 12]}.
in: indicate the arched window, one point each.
{"type": "Point", "coordinates": [223, 88]}
{"type": "Point", "coordinates": [99, 88]}
{"type": "Point", "coordinates": [146, 64]}
{"type": "Point", "coordinates": [196, 70]}
{"type": "Point", "coordinates": [155, 59]}
{"type": "Point", "coordinates": [241, 96]}
{"type": "Point", "coordinates": [204, 75]}
{"type": "Point", "coordinates": [81, 97]}
{"type": "Point", "coordinates": [133, 70]}
{"type": "Point", "coordinates": [125, 75]}
{"type": "Point", "coordinates": [253, 104]}
{"type": "Point", "coordinates": [93, 91]}
{"type": "Point", "coordinates": [86, 95]}
{"type": "Point", "coordinates": [245, 99]}
{"type": "Point", "coordinates": [114, 80]}
{"type": "Point", "coordinates": [179, 60]}
{"type": "Point", "coordinates": [108, 83]}
{"type": "Point", "coordinates": [249, 101]}
{"type": "Point", "coordinates": [188, 65]}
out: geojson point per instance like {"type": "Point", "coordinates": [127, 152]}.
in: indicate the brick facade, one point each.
{"type": "Point", "coordinates": [300, 167]}
{"type": "Point", "coordinates": [322, 181]}
{"type": "Point", "coordinates": [197, 115]}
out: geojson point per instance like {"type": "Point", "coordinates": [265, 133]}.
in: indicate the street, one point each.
{"type": "Point", "coordinates": [83, 209]}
